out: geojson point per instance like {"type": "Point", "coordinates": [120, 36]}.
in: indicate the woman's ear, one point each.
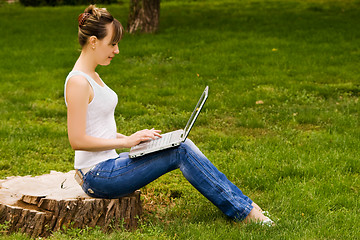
{"type": "Point", "coordinates": [93, 41]}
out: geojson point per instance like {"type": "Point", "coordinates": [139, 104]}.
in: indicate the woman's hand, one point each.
{"type": "Point", "coordinates": [142, 136]}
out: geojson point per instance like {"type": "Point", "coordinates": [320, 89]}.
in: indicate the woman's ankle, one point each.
{"type": "Point", "coordinates": [256, 207]}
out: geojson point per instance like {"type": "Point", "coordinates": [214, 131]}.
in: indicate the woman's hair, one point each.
{"type": "Point", "coordinates": [93, 21]}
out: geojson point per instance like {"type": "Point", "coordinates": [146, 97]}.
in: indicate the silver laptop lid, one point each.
{"type": "Point", "coordinates": [196, 112]}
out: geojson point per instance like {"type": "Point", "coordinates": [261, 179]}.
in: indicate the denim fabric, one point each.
{"type": "Point", "coordinates": [118, 177]}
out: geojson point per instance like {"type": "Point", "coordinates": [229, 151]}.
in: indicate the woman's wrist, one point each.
{"type": "Point", "coordinates": [124, 142]}
{"type": "Point", "coordinates": [119, 135]}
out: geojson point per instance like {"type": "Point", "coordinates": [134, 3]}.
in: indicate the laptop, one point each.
{"type": "Point", "coordinates": [170, 139]}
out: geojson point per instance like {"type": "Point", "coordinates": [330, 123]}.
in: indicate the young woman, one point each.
{"type": "Point", "coordinates": [92, 132]}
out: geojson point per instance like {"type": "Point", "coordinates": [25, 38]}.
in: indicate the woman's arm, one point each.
{"type": "Point", "coordinates": [78, 95]}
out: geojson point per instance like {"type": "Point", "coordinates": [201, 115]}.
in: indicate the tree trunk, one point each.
{"type": "Point", "coordinates": [40, 205]}
{"type": "Point", "coordinates": [143, 16]}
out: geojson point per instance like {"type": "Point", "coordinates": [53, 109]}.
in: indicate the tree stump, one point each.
{"type": "Point", "coordinates": [143, 16]}
{"type": "Point", "coordinates": [40, 205]}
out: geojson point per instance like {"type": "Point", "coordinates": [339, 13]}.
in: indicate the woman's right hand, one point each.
{"type": "Point", "coordinates": [142, 136]}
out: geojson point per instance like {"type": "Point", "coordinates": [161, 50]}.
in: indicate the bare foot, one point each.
{"type": "Point", "coordinates": [256, 215]}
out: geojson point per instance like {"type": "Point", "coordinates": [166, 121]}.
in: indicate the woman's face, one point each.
{"type": "Point", "coordinates": [105, 49]}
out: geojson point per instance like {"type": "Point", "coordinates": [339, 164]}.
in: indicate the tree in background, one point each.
{"type": "Point", "coordinates": [143, 16]}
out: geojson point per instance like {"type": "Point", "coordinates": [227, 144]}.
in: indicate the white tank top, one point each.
{"type": "Point", "coordinates": [100, 122]}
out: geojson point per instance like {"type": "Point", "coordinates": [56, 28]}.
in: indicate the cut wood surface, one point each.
{"type": "Point", "coordinates": [42, 204]}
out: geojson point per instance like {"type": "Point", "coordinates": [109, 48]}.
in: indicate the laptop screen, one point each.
{"type": "Point", "coordinates": [196, 112]}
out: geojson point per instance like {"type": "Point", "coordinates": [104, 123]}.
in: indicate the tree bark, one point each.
{"type": "Point", "coordinates": [40, 205]}
{"type": "Point", "coordinates": [143, 16]}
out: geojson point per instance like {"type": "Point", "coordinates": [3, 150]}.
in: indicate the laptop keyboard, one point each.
{"type": "Point", "coordinates": [159, 141]}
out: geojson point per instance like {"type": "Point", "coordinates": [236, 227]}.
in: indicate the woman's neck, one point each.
{"type": "Point", "coordinates": [85, 63]}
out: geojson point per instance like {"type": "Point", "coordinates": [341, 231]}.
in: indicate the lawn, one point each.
{"type": "Point", "coordinates": [281, 121]}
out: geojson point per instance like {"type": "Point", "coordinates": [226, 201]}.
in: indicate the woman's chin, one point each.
{"type": "Point", "coordinates": [105, 63]}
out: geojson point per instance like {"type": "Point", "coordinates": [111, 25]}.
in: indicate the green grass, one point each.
{"type": "Point", "coordinates": [295, 153]}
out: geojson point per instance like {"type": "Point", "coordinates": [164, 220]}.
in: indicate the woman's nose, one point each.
{"type": "Point", "coordinates": [116, 50]}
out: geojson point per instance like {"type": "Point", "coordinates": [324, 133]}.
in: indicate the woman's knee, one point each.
{"type": "Point", "coordinates": [187, 144]}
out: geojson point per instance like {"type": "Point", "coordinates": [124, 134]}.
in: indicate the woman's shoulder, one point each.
{"type": "Point", "coordinates": [76, 85]}
{"type": "Point", "coordinates": [78, 77]}
{"type": "Point", "coordinates": [78, 80]}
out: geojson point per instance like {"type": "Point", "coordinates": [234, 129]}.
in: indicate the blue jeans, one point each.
{"type": "Point", "coordinates": [117, 177]}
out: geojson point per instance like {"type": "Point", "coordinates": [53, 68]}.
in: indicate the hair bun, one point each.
{"type": "Point", "coordinates": [93, 10]}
